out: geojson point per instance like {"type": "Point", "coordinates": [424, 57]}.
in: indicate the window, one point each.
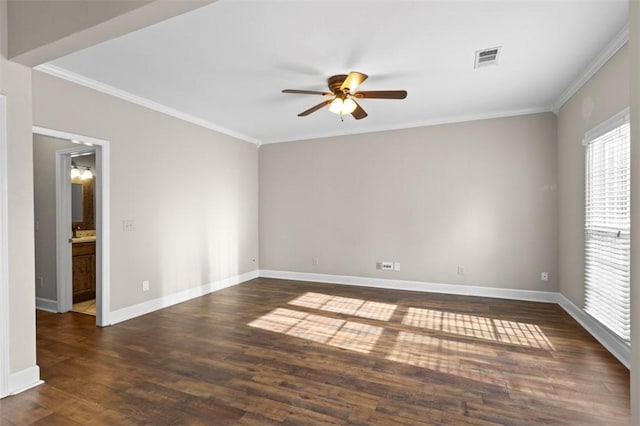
{"type": "Point", "coordinates": [607, 224]}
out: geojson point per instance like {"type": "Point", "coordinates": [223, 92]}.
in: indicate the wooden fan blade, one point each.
{"type": "Point", "coordinates": [353, 80]}
{"type": "Point", "coordinates": [315, 108]}
{"type": "Point", "coordinates": [381, 94]}
{"type": "Point", "coordinates": [359, 113]}
{"type": "Point", "coordinates": [306, 92]}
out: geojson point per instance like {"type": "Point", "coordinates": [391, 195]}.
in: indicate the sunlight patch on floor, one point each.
{"type": "Point", "coordinates": [346, 305]}
{"type": "Point", "coordinates": [331, 331]}
{"type": "Point", "coordinates": [428, 350]}
{"type": "Point", "coordinates": [444, 356]}
{"type": "Point", "coordinates": [495, 330]}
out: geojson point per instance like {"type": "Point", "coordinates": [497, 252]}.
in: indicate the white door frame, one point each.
{"type": "Point", "coordinates": [63, 220]}
{"type": "Point", "coordinates": [4, 255]}
{"type": "Point", "coordinates": [64, 269]}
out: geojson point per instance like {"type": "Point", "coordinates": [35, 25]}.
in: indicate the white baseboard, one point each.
{"type": "Point", "coordinates": [610, 341]}
{"type": "Point", "coordinates": [465, 290]}
{"type": "Point", "coordinates": [24, 380]}
{"type": "Point", "coordinates": [46, 304]}
{"type": "Point", "coordinates": [173, 299]}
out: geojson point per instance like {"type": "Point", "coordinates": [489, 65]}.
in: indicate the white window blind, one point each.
{"type": "Point", "coordinates": [607, 225]}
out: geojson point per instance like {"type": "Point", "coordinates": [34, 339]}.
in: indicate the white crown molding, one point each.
{"type": "Point", "coordinates": [46, 305]}
{"type": "Point", "coordinates": [616, 44]}
{"type": "Point", "coordinates": [426, 123]}
{"type": "Point", "coordinates": [138, 100]}
{"type": "Point", "coordinates": [24, 380]}
{"type": "Point", "coordinates": [130, 312]}
{"type": "Point", "coordinates": [610, 341]}
{"type": "Point", "coordinates": [427, 287]}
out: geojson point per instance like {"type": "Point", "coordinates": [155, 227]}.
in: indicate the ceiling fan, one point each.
{"type": "Point", "coordinates": [343, 95]}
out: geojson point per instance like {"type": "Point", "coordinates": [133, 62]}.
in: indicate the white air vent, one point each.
{"type": "Point", "coordinates": [487, 57]}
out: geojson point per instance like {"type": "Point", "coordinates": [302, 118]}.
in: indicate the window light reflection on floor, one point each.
{"type": "Point", "coordinates": [346, 305]}
{"type": "Point", "coordinates": [331, 331]}
{"type": "Point", "coordinates": [510, 332]}
{"type": "Point", "coordinates": [444, 356]}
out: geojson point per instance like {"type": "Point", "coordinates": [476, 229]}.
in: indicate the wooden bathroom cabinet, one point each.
{"type": "Point", "coordinates": [84, 271]}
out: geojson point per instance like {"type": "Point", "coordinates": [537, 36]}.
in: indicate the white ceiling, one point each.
{"type": "Point", "coordinates": [225, 64]}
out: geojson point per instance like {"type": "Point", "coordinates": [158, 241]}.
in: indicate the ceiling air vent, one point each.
{"type": "Point", "coordinates": [487, 57]}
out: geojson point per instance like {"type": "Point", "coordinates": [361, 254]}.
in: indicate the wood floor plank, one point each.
{"type": "Point", "coordinates": [273, 352]}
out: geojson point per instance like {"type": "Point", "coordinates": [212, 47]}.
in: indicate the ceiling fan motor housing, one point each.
{"type": "Point", "coordinates": [334, 83]}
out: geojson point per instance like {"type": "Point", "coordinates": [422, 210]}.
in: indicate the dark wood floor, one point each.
{"type": "Point", "coordinates": [285, 352]}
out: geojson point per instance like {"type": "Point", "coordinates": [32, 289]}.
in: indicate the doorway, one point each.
{"type": "Point", "coordinates": [83, 226]}
{"type": "Point", "coordinates": [56, 231]}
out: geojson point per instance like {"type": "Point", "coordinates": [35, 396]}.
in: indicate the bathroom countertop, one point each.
{"type": "Point", "coordinates": [84, 236]}
{"type": "Point", "coordinates": [83, 239]}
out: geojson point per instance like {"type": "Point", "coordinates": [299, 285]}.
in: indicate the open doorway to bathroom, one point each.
{"type": "Point", "coordinates": [71, 238]}
{"type": "Point", "coordinates": [83, 228]}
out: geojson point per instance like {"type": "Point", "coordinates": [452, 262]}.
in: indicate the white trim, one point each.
{"type": "Point", "coordinates": [130, 312]}
{"type": "Point", "coordinates": [103, 217]}
{"type": "Point", "coordinates": [103, 221]}
{"type": "Point", "coordinates": [47, 305]}
{"type": "Point", "coordinates": [621, 38]}
{"type": "Point", "coordinates": [24, 380]}
{"type": "Point", "coordinates": [60, 134]}
{"type": "Point", "coordinates": [4, 255]}
{"type": "Point", "coordinates": [426, 123]}
{"type": "Point", "coordinates": [609, 124]}
{"type": "Point", "coordinates": [138, 100]}
{"type": "Point", "coordinates": [610, 341]}
{"type": "Point", "coordinates": [64, 276]}
{"type": "Point", "coordinates": [616, 44]}
{"type": "Point", "coordinates": [465, 290]}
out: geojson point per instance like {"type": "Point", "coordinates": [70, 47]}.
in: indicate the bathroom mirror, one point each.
{"type": "Point", "coordinates": [76, 202]}
{"type": "Point", "coordinates": [82, 203]}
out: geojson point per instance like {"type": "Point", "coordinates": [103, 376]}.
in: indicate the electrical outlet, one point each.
{"type": "Point", "coordinates": [127, 225]}
{"type": "Point", "coordinates": [314, 261]}
{"type": "Point", "coordinates": [40, 281]}
{"type": "Point", "coordinates": [387, 266]}
{"type": "Point", "coordinates": [145, 285]}
{"type": "Point", "coordinates": [544, 276]}
{"type": "Point", "coordinates": [396, 266]}
{"type": "Point", "coordinates": [460, 270]}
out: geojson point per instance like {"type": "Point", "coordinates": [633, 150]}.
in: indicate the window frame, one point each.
{"type": "Point", "coordinates": [620, 119]}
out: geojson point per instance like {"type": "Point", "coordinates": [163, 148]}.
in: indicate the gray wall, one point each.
{"type": "Point", "coordinates": [40, 31]}
{"type": "Point", "coordinates": [35, 23]}
{"type": "Point", "coordinates": [15, 83]}
{"type": "Point", "coordinates": [44, 200]}
{"type": "Point", "coordinates": [478, 194]}
{"type": "Point", "coordinates": [605, 94]}
{"type": "Point", "coordinates": [191, 192]}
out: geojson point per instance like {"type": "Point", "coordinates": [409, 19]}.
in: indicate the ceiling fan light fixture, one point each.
{"type": "Point", "coordinates": [342, 106]}
{"type": "Point", "coordinates": [348, 106]}
{"type": "Point", "coordinates": [342, 98]}
{"type": "Point", "coordinates": [336, 106]}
